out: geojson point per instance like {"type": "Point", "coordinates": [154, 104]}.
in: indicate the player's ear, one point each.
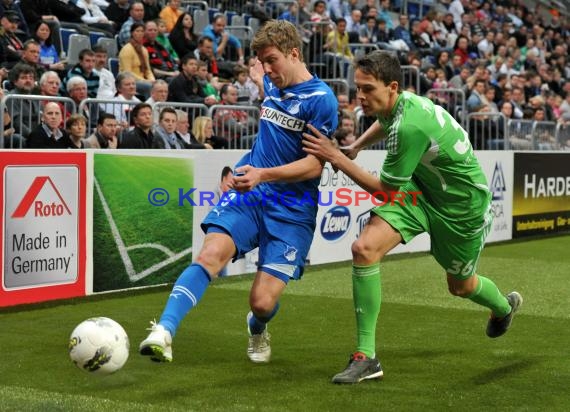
{"type": "Point", "coordinates": [295, 52]}
{"type": "Point", "coordinates": [394, 86]}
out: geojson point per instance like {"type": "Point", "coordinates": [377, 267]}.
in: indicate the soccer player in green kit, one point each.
{"type": "Point", "coordinates": [428, 152]}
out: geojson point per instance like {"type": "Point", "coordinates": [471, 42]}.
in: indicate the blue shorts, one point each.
{"type": "Point", "coordinates": [284, 233]}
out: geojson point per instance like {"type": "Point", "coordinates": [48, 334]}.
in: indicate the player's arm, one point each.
{"type": "Point", "coordinates": [373, 134]}
{"type": "Point", "coordinates": [324, 149]}
{"type": "Point", "coordinates": [247, 177]}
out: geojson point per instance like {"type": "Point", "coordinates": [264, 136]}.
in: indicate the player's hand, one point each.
{"type": "Point", "coordinates": [246, 178]}
{"type": "Point", "coordinates": [319, 145]}
{"type": "Point", "coordinates": [256, 72]}
{"type": "Point", "coordinates": [350, 151]}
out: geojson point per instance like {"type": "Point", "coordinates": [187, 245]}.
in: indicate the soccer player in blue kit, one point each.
{"type": "Point", "coordinates": [274, 201]}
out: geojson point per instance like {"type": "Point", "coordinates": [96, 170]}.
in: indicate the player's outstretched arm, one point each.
{"type": "Point", "coordinates": [373, 134]}
{"type": "Point", "coordinates": [247, 177]}
{"type": "Point", "coordinates": [323, 148]}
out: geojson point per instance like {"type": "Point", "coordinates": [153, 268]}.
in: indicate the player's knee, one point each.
{"type": "Point", "coordinates": [213, 258]}
{"type": "Point", "coordinates": [463, 288]}
{"type": "Point", "coordinates": [261, 305]}
{"type": "Point", "coordinates": [365, 253]}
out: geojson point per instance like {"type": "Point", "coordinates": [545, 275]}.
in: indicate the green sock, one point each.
{"type": "Point", "coordinates": [366, 293]}
{"type": "Point", "coordinates": [487, 294]}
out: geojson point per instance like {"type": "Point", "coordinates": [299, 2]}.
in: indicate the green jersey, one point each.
{"type": "Point", "coordinates": [427, 147]}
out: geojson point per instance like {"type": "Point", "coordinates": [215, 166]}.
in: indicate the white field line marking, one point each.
{"type": "Point", "coordinates": [124, 250]}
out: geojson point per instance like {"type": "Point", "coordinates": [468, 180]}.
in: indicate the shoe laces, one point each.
{"type": "Point", "coordinates": [153, 325]}
{"type": "Point", "coordinates": [261, 341]}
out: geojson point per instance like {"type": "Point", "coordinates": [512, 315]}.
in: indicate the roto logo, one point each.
{"type": "Point", "coordinates": [335, 223]}
{"type": "Point", "coordinates": [41, 208]}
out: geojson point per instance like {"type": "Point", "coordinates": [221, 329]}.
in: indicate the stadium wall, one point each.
{"type": "Point", "coordinates": [84, 222]}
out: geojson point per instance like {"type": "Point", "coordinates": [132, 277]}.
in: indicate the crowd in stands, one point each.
{"type": "Point", "coordinates": [502, 56]}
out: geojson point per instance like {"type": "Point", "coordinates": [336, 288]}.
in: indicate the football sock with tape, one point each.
{"type": "Point", "coordinates": [257, 324]}
{"type": "Point", "coordinates": [367, 296]}
{"type": "Point", "coordinates": [487, 294]}
{"type": "Point", "coordinates": [186, 293]}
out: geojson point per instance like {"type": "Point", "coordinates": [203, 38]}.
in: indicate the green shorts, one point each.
{"type": "Point", "coordinates": [456, 246]}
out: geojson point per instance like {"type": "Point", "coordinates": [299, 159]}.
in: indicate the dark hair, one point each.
{"type": "Point", "coordinates": [383, 65]}
{"type": "Point", "coordinates": [178, 26]}
{"type": "Point", "coordinates": [225, 171]}
{"type": "Point", "coordinates": [104, 116]}
{"type": "Point", "coordinates": [186, 57]}
{"type": "Point", "coordinates": [202, 39]}
{"type": "Point", "coordinates": [35, 36]}
{"type": "Point", "coordinates": [85, 52]}
{"type": "Point", "coordinates": [138, 108]}
{"type": "Point", "coordinates": [19, 69]}
{"type": "Point", "coordinates": [29, 42]}
{"type": "Point", "coordinates": [225, 87]}
{"type": "Point", "coordinates": [136, 26]}
{"type": "Point", "coordinates": [167, 110]}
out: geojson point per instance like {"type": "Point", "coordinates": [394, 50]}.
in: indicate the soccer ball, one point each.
{"type": "Point", "coordinates": [99, 346]}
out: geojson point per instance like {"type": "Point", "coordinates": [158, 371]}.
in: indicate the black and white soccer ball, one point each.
{"type": "Point", "coordinates": [99, 346]}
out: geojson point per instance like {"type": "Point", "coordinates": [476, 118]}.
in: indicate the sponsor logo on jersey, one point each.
{"type": "Point", "coordinates": [281, 119]}
{"type": "Point", "coordinates": [498, 185]}
{"type": "Point", "coordinates": [335, 223]}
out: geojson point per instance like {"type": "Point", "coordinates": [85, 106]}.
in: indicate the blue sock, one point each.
{"type": "Point", "coordinates": [257, 324]}
{"type": "Point", "coordinates": [186, 293]}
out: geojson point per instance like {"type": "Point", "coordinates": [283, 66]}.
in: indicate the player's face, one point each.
{"type": "Point", "coordinates": [277, 66]}
{"type": "Point", "coordinates": [376, 98]}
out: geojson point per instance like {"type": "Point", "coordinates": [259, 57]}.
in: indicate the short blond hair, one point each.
{"type": "Point", "coordinates": [280, 34]}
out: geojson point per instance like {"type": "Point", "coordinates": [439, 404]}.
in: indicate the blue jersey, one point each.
{"type": "Point", "coordinates": [283, 119]}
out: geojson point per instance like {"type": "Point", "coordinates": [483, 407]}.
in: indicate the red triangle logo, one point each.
{"type": "Point", "coordinates": [30, 198]}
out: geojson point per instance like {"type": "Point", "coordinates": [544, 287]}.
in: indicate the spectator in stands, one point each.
{"type": "Point", "coordinates": [105, 136]}
{"type": "Point", "coordinates": [76, 127]}
{"type": "Point", "coordinates": [25, 113]}
{"type": "Point", "coordinates": [182, 35]}
{"type": "Point", "coordinates": [151, 10]}
{"type": "Point", "coordinates": [477, 97]}
{"type": "Point", "coordinates": [118, 13]}
{"type": "Point", "coordinates": [125, 99]}
{"type": "Point", "coordinates": [319, 13]}
{"type": "Point", "coordinates": [461, 49]}
{"type": "Point", "coordinates": [158, 92]}
{"type": "Point", "coordinates": [133, 58]}
{"type": "Point", "coordinates": [50, 83]}
{"type": "Point", "coordinates": [141, 136]}
{"type": "Point", "coordinates": [203, 76]}
{"type": "Point", "coordinates": [384, 14]}
{"type": "Point", "coordinates": [11, 47]}
{"type": "Point", "coordinates": [31, 57]}
{"type": "Point", "coordinates": [48, 134]}
{"type": "Point", "coordinates": [49, 57]}
{"type": "Point", "coordinates": [85, 68]}
{"type": "Point", "coordinates": [369, 32]}
{"type": "Point", "coordinates": [205, 52]}
{"type": "Point", "coordinates": [232, 124]}
{"type": "Point", "coordinates": [182, 130]}
{"type": "Point", "coordinates": [185, 88]}
{"type": "Point", "coordinates": [343, 137]}
{"type": "Point", "coordinates": [291, 14]}
{"type": "Point", "coordinates": [162, 64]}
{"type": "Point", "coordinates": [107, 89]}
{"type": "Point", "coordinates": [203, 130]}
{"type": "Point", "coordinates": [248, 91]}
{"type": "Point", "coordinates": [337, 44]}
{"type": "Point", "coordinates": [170, 14]}
{"type": "Point", "coordinates": [353, 25]}
{"type": "Point", "coordinates": [518, 102]}
{"type": "Point", "coordinates": [165, 136]}
{"type": "Point", "coordinates": [136, 15]}
{"type": "Point", "coordinates": [403, 33]}
{"type": "Point", "coordinates": [94, 17]}
{"type": "Point", "coordinates": [13, 7]}
{"type": "Point", "coordinates": [36, 10]}
{"type": "Point", "coordinates": [77, 91]}
{"type": "Point", "coordinates": [222, 39]}
{"type": "Point", "coordinates": [164, 39]}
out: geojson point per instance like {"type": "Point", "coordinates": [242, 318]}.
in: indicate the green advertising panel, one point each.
{"type": "Point", "coordinates": [141, 237]}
